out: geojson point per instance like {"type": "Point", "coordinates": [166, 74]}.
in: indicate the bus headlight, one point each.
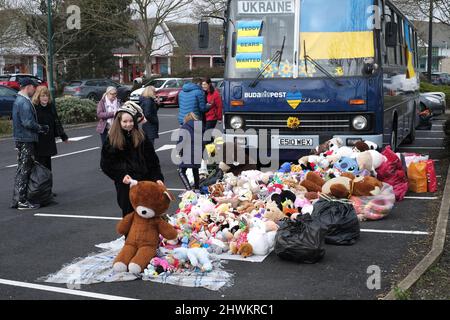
{"type": "Point", "coordinates": [237, 122]}
{"type": "Point", "coordinates": [360, 123]}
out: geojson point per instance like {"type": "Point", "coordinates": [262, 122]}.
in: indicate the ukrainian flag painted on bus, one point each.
{"type": "Point", "coordinates": [337, 29]}
{"type": "Point", "coordinates": [409, 54]}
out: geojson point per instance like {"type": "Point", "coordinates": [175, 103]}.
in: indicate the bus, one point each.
{"type": "Point", "coordinates": [300, 72]}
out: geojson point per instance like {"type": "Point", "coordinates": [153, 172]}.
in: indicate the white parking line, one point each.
{"type": "Point", "coordinates": [395, 232]}
{"type": "Point", "coordinates": [63, 155]}
{"type": "Point", "coordinates": [114, 218]}
{"type": "Point", "coordinates": [75, 216]}
{"type": "Point", "coordinates": [168, 131]}
{"type": "Point", "coordinates": [413, 148]}
{"type": "Point", "coordinates": [166, 147]}
{"type": "Point", "coordinates": [62, 290]}
{"type": "Point", "coordinates": [421, 198]}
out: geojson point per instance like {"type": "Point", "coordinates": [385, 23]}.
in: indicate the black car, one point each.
{"type": "Point", "coordinates": [7, 98]}
{"type": "Point", "coordinates": [95, 88]}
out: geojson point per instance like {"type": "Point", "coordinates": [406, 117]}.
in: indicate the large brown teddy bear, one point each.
{"type": "Point", "coordinates": [150, 201]}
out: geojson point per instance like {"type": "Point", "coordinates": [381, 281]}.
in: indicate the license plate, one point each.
{"type": "Point", "coordinates": [295, 142]}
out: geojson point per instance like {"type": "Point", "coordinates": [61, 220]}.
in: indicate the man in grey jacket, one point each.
{"type": "Point", "coordinates": [26, 133]}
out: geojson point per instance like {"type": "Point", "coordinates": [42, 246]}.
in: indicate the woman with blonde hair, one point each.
{"type": "Point", "coordinates": [127, 151]}
{"type": "Point", "coordinates": [47, 115]}
{"type": "Point", "coordinates": [106, 109]}
{"type": "Point", "coordinates": [150, 108]}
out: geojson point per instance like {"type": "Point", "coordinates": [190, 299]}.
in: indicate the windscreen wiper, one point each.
{"type": "Point", "coordinates": [276, 57]}
{"type": "Point", "coordinates": [318, 66]}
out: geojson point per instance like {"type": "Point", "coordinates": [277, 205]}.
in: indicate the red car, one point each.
{"type": "Point", "coordinates": [12, 80]}
{"type": "Point", "coordinates": [168, 97]}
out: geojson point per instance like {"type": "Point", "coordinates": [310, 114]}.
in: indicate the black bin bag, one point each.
{"type": "Point", "coordinates": [40, 185]}
{"type": "Point", "coordinates": [301, 240]}
{"type": "Point", "coordinates": [338, 218]}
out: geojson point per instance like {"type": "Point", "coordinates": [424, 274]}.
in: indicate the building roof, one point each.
{"type": "Point", "coordinates": [186, 35]}
{"type": "Point", "coordinates": [441, 33]}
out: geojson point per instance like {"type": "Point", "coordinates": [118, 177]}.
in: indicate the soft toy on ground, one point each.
{"type": "Point", "coordinates": [313, 182]}
{"type": "Point", "coordinates": [272, 212]}
{"type": "Point", "coordinates": [347, 185]}
{"type": "Point", "coordinates": [198, 257]}
{"type": "Point", "coordinates": [142, 227]}
{"type": "Point", "coordinates": [346, 164]}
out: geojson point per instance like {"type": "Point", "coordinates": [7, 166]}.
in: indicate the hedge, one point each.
{"type": "Point", "coordinates": [73, 110]}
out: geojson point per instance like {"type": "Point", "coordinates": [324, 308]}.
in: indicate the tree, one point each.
{"type": "Point", "coordinates": [419, 9]}
{"type": "Point", "coordinates": [150, 28]}
{"type": "Point", "coordinates": [203, 8]}
{"type": "Point", "coordinates": [101, 22]}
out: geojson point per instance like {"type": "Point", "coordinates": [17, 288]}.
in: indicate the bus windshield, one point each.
{"type": "Point", "coordinates": [337, 34]}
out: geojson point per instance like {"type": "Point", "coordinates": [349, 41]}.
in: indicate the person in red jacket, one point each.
{"type": "Point", "coordinates": [213, 98]}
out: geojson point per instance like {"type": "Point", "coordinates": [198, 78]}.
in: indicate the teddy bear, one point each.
{"type": "Point", "coordinates": [143, 226]}
{"type": "Point", "coordinates": [313, 182]}
{"type": "Point", "coordinates": [216, 190]}
{"type": "Point", "coordinates": [272, 212]}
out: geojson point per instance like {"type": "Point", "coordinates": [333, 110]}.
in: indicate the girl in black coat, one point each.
{"type": "Point", "coordinates": [46, 115]}
{"type": "Point", "coordinates": [127, 151]}
{"type": "Point", "coordinates": [150, 109]}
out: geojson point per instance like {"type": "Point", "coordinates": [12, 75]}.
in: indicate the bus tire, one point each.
{"type": "Point", "coordinates": [394, 137]}
{"type": "Point", "coordinates": [412, 135]}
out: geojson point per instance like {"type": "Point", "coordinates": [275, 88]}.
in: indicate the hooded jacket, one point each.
{"type": "Point", "coordinates": [191, 99]}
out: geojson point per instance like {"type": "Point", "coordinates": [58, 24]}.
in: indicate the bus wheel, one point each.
{"type": "Point", "coordinates": [394, 138]}
{"type": "Point", "coordinates": [412, 135]}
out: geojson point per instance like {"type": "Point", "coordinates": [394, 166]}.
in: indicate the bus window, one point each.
{"type": "Point", "coordinates": [389, 20]}
{"type": "Point", "coordinates": [401, 42]}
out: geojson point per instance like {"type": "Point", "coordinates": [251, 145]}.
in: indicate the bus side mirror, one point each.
{"type": "Point", "coordinates": [391, 34]}
{"type": "Point", "coordinates": [203, 35]}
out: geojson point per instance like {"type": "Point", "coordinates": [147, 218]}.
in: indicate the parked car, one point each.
{"type": "Point", "coordinates": [435, 101]}
{"type": "Point", "coordinates": [12, 80]}
{"type": "Point", "coordinates": [159, 84]}
{"type": "Point", "coordinates": [7, 98]}
{"type": "Point", "coordinates": [95, 88]}
{"type": "Point", "coordinates": [440, 78]}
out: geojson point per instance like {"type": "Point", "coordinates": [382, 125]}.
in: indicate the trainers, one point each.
{"type": "Point", "coordinates": [27, 206]}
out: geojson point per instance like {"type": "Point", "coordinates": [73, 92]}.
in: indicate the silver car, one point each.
{"type": "Point", "coordinates": [434, 101]}
{"type": "Point", "coordinates": [95, 88]}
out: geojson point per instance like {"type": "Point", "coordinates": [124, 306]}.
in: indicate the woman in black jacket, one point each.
{"type": "Point", "coordinates": [150, 109]}
{"type": "Point", "coordinates": [127, 151]}
{"type": "Point", "coordinates": [46, 115]}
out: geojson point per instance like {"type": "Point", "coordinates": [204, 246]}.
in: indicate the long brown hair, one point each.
{"type": "Point", "coordinates": [116, 137]}
{"type": "Point", "coordinates": [41, 91]}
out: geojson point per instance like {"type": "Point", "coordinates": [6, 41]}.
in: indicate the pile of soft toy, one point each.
{"type": "Point", "coordinates": [241, 214]}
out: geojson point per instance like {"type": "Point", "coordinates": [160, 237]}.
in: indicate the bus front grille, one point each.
{"type": "Point", "coordinates": [309, 122]}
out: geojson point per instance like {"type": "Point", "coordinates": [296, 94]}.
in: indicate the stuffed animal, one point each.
{"type": "Point", "coordinates": [260, 240]}
{"type": "Point", "coordinates": [339, 187]}
{"type": "Point", "coordinates": [273, 213]}
{"type": "Point", "coordinates": [346, 164]}
{"type": "Point", "coordinates": [198, 257]}
{"type": "Point", "coordinates": [313, 182]}
{"type": "Point", "coordinates": [360, 146]}
{"type": "Point", "coordinates": [142, 227]}
{"type": "Point", "coordinates": [366, 186]}
{"type": "Point", "coordinates": [216, 190]}
{"type": "Point", "coordinates": [348, 185]}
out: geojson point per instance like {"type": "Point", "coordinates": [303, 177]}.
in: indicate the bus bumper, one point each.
{"type": "Point", "coordinates": [251, 141]}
